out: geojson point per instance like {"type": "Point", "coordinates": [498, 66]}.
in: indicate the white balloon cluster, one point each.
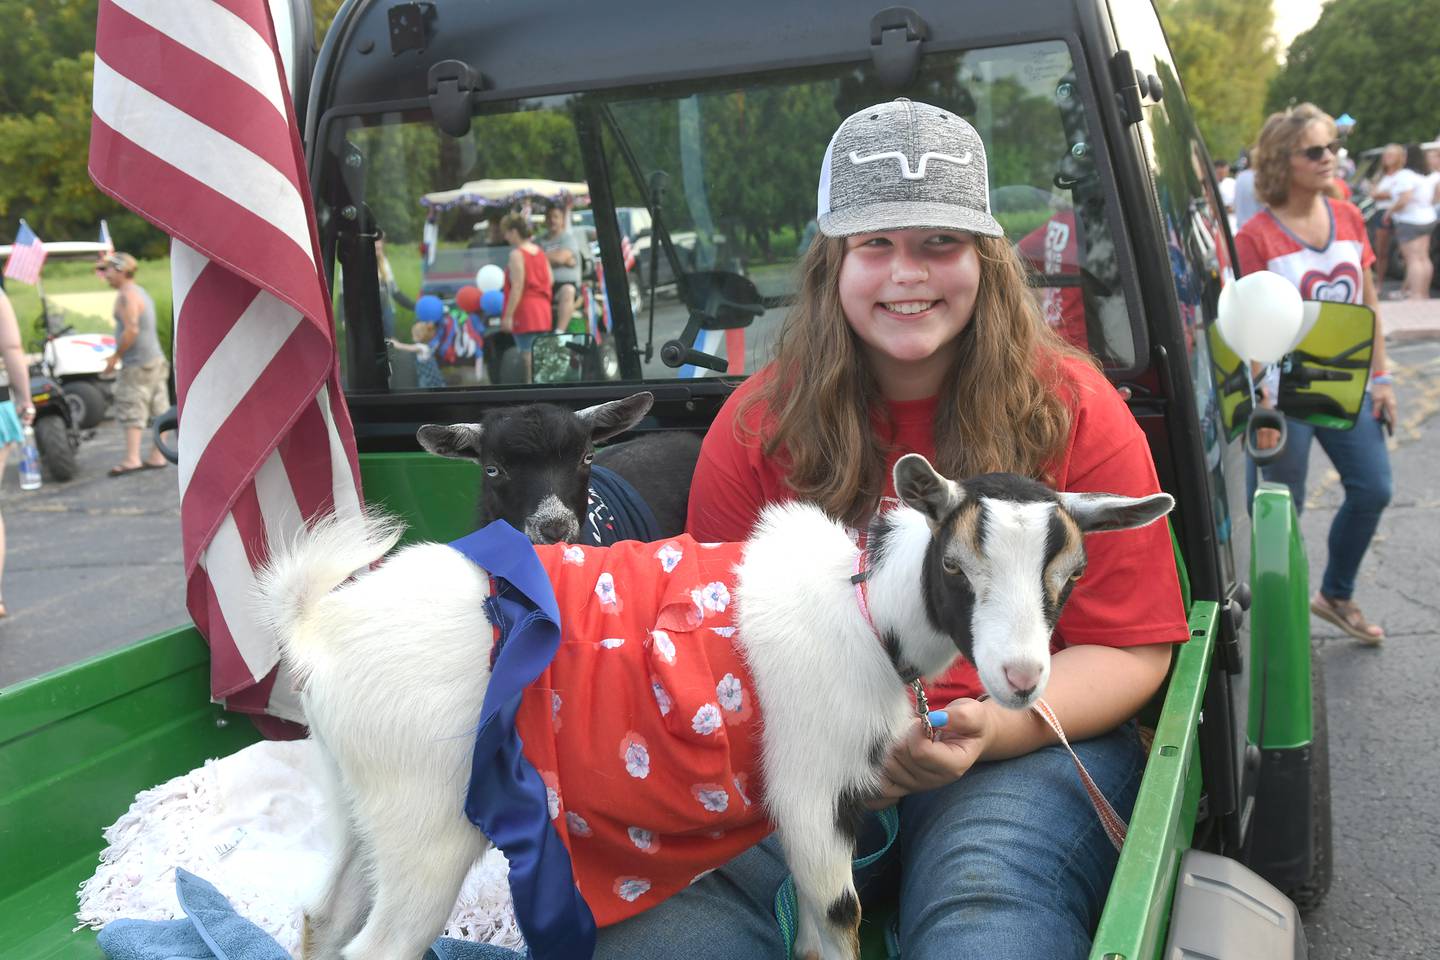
{"type": "Point", "coordinates": [1262, 317]}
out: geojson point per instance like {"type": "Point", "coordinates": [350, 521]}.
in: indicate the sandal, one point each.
{"type": "Point", "coordinates": [1346, 615]}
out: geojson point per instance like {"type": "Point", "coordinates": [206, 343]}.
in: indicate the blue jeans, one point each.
{"type": "Point", "coordinates": [1363, 462]}
{"type": "Point", "coordinates": [1008, 863]}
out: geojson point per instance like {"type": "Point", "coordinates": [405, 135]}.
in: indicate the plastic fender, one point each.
{"type": "Point", "coordinates": [1280, 696]}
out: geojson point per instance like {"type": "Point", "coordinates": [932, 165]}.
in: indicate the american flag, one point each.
{"type": "Point", "coordinates": [27, 256]}
{"type": "Point", "coordinates": [194, 130]}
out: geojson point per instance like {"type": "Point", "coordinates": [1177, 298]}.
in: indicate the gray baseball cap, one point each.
{"type": "Point", "coordinates": [905, 164]}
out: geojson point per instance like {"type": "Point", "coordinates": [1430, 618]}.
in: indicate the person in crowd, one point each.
{"type": "Point", "coordinates": [142, 389]}
{"type": "Point", "coordinates": [528, 286]}
{"type": "Point", "coordinates": [390, 292]}
{"type": "Point", "coordinates": [914, 331]}
{"type": "Point", "coordinates": [1382, 194]}
{"type": "Point", "coordinates": [1246, 203]}
{"type": "Point", "coordinates": [1226, 183]}
{"type": "Point", "coordinates": [1412, 218]}
{"type": "Point", "coordinates": [1432, 172]}
{"type": "Point", "coordinates": [1321, 246]}
{"type": "Point", "coordinates": [15, 412]}
{"type": "Point", "coordinates": [562, 250]}
{"type": "Point", "coordinates": [428, 375]}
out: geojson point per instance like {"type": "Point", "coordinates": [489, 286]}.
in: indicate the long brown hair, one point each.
{"type": "Point", "coordinates": [998, 409]}
{"type": "Point", "coordinates": [1278, 137]}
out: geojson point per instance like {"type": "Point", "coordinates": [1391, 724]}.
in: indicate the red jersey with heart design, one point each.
{"type": "Point", "coordinates": [644, 726]}
{"type": "Point", "coordinates": [1332, 272]}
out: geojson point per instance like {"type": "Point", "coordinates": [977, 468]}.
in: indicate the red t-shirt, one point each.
{"type": "Point", "coordinates": [532, 314]}
{"type": "Point", "coordinates": [1130, 594]}
{"type": "Point", "coordinates": [1334, 272]}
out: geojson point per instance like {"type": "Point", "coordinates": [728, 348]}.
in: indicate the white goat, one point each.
{"type": "Point", "coordinates": [394, 671]}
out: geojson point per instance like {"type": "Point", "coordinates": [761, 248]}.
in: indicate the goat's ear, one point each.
{"type": "Point", "coordinates": [459, 440]}
{"type": "Point", "coordinates": [606, 420]}
{"type": "Point", "coordinates": [919, 486]}
{"type": "Point", "coordinates": [1096, 512]}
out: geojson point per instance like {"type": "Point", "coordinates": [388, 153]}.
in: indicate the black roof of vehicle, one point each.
{"type": "Point", "coordinates": [608, 45]}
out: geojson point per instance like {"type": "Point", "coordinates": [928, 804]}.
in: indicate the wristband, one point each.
{"type": "Point", "coordinates": [1381, 380]}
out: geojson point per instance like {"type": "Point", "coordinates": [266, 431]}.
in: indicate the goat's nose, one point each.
{"type": "Point", "coordinates": [1023, 678]}
{"type": "Point", "coordinates": [554, 531]}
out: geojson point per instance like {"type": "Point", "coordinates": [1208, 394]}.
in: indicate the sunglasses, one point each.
{"type": "Point", "coordinates": [1317, 153]}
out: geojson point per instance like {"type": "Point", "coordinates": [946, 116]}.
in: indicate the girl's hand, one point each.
{"type": "Point", "coordinates": [1385, 409]}
{"type": "Point", "coordinates": [916, 763]}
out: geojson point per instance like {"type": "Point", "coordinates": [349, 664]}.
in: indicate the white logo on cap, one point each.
{"type": "Point", "coordinates": [919, 172]}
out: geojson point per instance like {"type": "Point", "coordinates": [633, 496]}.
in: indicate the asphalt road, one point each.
{"type": "Point", "coordinates": [95, 564]}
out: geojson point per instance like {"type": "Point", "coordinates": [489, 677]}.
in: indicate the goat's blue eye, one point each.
{"type": "Point", "coordinates": [491, 470]}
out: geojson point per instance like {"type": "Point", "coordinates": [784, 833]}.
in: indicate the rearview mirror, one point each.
{"type": "Point", "coordinates": [567, 358]}
{"type": "Point", "coordinates": [1322, 379]}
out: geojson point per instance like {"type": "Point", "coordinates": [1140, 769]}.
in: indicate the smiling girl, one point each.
{"type": "Point", "coordinates": [914, 331]}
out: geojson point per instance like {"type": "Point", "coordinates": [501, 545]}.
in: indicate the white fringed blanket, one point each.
{"type": "Point", "coordinates": [253, 824]}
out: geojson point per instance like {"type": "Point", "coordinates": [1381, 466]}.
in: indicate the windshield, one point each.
{"type": "Point", "coordinates": [681, 214]}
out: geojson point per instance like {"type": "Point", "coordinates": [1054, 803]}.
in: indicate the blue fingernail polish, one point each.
{"type": "Point", "coordinates": [938, 718]}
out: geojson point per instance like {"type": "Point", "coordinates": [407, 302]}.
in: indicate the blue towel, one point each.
{"type": "Point", "coordinates": [212, 930]}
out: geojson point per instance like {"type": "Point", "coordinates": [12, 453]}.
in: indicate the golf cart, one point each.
{"type": "Point", "coordinates": [721, 116]}
{"type": "Point", "coordinates": [76, 360]}
{"type": "Point", "coordinates": [460, 236]}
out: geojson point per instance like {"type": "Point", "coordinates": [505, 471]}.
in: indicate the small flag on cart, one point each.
{"type": "Point", "coordinates": [27, 256]}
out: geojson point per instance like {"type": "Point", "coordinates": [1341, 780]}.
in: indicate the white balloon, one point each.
{"type": "Point", "coordinates": [489, 277]}
{"type": "Point", "coordinates": [1312, 316]}
{"type": "Point", "coordinates": [1260, 316]}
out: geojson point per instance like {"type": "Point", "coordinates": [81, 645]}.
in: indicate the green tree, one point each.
{"type": "Point", "coordinates": [1225, 51]}
{"type": "Point", "coordinates": [33, 37]}
{"type": "Point", "coordinates": [1374, 59]}
{"type": "Point", "coordinates": [42, 167]}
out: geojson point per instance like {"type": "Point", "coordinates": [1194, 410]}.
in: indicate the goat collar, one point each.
{"type": "Point", "coordinates": [859, 578]}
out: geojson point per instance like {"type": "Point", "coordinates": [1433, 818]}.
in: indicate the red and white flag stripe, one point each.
{"type": "Point", "coordinates": [193, 129]}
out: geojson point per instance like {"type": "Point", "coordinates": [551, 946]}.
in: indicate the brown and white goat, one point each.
{"type": "Point", "coordinates": [394, 683]}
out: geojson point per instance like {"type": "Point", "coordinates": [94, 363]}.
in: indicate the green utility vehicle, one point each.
{"type": "Point", "coordinates": [712, 119]}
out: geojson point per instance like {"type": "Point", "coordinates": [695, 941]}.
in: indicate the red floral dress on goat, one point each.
{"type": "Point", "coordinates": [644, 726]}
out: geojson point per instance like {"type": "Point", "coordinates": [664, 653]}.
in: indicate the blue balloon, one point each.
{"type": "Point", "coordinates": [429, 309]}
{"type": "Point", "coordinates": [492, 303]}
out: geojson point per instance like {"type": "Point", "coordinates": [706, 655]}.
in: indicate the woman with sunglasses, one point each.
{"type": "Point", "coordinates": [1320, 245]}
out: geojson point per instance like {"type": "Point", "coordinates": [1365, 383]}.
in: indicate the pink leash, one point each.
{"type": "Point", "coordinates": [1109, 819]}
{"type": "Point", "coordinates": [1112, 822]}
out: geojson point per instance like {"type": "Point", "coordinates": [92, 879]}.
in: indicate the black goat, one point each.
{"type": "Point", "coordinates": [537, 462]}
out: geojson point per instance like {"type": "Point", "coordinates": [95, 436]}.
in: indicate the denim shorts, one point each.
{"type": "Point", "coordinates": [1405, 232]}
{"type": "Point", "coordinates": [525, 342]}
